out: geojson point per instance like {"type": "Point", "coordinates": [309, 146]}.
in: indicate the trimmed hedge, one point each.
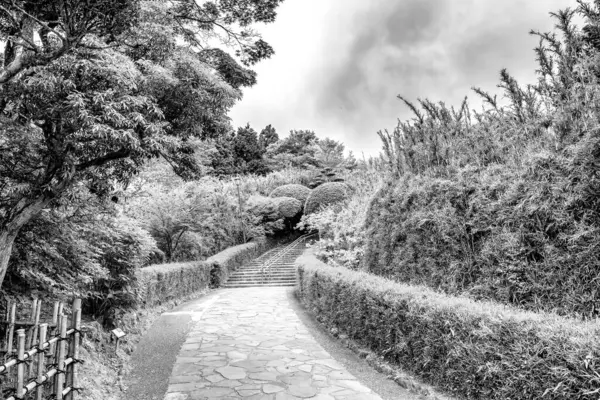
{"type": "Point", "coordinates": [474, 350]}
{"type": "Point", "coordinates": [158, 284]}
{"type": "Point", "coordinates": [326, 194]}
{"type": "Point", "coordinates": [223, 263]}
{"type": "Point", "coordinates": [288, 207]}
{"type": "Point", "coordinates": [263, 207]}
{"type": "Point", "coordinates": [298, 192]}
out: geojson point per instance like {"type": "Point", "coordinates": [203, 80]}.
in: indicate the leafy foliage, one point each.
{"type": "Point", "coordinates": [296, 150]}
{"type": "Point", "coordinates": [502, 204]}
{"type": "Point", "coordinates": [327, 194]}
{"type": "Point", "coordinates": [193, 220]}
{"type": "Point", "coordinates": [83, 248]}
{"type": "Point", "coordinates": [267, 137]}
{"type": "Point", "coordinates": [288, 207]}
{"type": "Point", "coordinates": [342, 230]}
{"type": "Point", "coordinates": [109, 86]}
{"type": "Point", "coordinates": [298, 192]}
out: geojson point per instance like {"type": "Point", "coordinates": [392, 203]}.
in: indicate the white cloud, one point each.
{"type": "Point", "coordinates": [339, 64]}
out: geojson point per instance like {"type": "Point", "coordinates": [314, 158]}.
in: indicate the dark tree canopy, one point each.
{"type": "Point", "coordinates": [245, 144]}
{"type": "Point", "coordinates": [90, 91]}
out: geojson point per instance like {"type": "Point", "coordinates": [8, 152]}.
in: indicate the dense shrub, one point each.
{"type": "Point", "coordinates": [65, 251]}
{"type": "Point", "coordinates": [296, 191]}
{"type": "Point", "coordinates": [501, 233]}
{"type": "Point", "coordinates": [502, 204]}
{"type": "Point", "coordinates": [193, 220]}
{"type": "Point", "coordinates": [342, 232]}
{"type": "Point", "coordinates": [326, 194]}
{"type": "Point", "coordinates": [125, 251]}
{"type": "Point", "coordinates": [263, 207]}
{"type": "Point", "coordinates": [288, 207]}
{"type": "Point", "coordinates": [475, 350]}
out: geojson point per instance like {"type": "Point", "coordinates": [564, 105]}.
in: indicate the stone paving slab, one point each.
{"type": "Point", "coordinates": [250, 344]}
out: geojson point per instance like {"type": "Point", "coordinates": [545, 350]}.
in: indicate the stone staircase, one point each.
{"type": "Point", "coordinates": [274, 268]}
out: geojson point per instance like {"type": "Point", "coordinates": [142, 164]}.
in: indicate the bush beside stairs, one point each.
{"type": "Point", "coordinates": [274, 268]}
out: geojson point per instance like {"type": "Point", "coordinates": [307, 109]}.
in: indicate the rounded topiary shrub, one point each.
{"type": "Point", "coordinates": [295, 191]}
{"type": "Point", "coordinates": [289, 207]}
{"type": "Point", "coordinates": [263, 207]}
{"type": "Point", "coordinates": [326, 194]}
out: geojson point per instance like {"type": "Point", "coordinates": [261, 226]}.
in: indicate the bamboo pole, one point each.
{"type": "Point", "coordinates": [34, 335]}
{"type": "Point", "coordinates": [32, 318]}
{"type": "Point", "coordinates": [55, 313]}
{"type": "Point", "coordinates": [36, 320]}
{"type": "Point", "coordinates": [55, 330]}
{"type": "Point", "coordinates": [7, 319]}
{"type": "Point", "coordinates": [41, 359]}
{"type": "Point", "coordinates": [73, 380]}
{"type": "Point", "coordinates": [60, 364]}
{"type": "Point", "coordinates": [11, 329]}
{"type": "Point", "coordinates": [20, 366]}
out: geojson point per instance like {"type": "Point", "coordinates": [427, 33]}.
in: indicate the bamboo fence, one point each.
{"type": "Point", "coordinates": [41, 359]}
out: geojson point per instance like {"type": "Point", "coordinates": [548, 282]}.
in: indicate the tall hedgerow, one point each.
{"type": "Point", "coordinates": [503, 203]}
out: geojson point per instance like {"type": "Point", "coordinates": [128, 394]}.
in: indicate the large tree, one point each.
{"type": "Point", "coordinates": [89, 91]}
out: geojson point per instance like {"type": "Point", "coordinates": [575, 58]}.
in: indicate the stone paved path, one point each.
{"type": "Point", "coordinates": [250, 344]}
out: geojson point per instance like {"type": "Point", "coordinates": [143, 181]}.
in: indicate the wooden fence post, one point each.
{"type": "Point", "coordinates": [40, 366]}
{"type": "Point", "coordinates": [60, 365]}
{"type": "Point", "coordinates": [20, 366]}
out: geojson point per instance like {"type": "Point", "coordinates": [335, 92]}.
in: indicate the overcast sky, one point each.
{"type": "Point", "coordinates": [340, 64]}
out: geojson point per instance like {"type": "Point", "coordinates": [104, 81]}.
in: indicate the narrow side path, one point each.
{"type": "Point", "coordinates": [251, 344]}
{"type": "Point", "coordinates": [153, 359]}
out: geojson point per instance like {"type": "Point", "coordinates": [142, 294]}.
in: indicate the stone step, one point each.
{"type": "Point", "coordinates": [233, 286]}
{"type": "Point", "coordinates": [259, 271]}
{"type": "Point", "coordinates": [274, 269]}
{"type": "Point", "coordinates": [283, 262]}
{"type": "Point", "coordinates": [274, 273]}
{"type": "Point", "coordinates": [289, 281]}
{"type": "Point", "coordinates": [262, 281]}
{"type": "Point", "coordinates": [271, 271]}
{"type": "Point", "coordinates": [259, 278]}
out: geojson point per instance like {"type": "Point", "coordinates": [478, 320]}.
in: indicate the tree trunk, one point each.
{"type": "Point", "coordinates": [6, 243]}
{"type": "Point", "coordinates": [26, 210]}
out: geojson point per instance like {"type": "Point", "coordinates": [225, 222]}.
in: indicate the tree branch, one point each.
{"type": "Point", "coordinates": [21, 63]}
{"type": "Point", "coordinates": [43, 24]}
{"type": "Point", "coordinates": [115, 155]}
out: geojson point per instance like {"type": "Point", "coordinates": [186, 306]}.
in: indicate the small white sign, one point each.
{"type": "Point", "coordinates": [118, 333]}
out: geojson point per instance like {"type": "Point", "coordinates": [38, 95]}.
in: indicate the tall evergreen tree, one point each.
{"type": "Point", "coordinates": [267, 136]}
